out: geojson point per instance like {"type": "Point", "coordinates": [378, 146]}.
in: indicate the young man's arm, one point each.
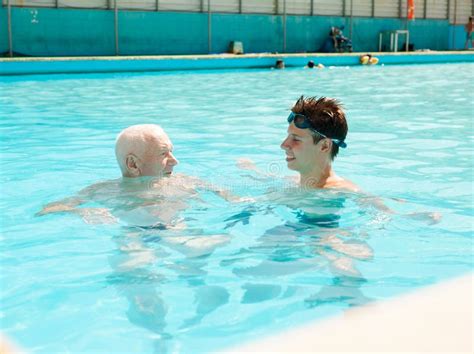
{"type": "Point", "coordinates": [377, 203]}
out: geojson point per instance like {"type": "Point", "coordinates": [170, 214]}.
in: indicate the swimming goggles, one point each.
{"type": "Point", "coordinates": [302, 122]}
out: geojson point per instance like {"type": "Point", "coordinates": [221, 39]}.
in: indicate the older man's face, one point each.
{"type": "Point", "coordinates": [158, 159]}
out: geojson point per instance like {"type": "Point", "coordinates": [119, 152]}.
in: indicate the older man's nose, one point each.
{"type": "Point", "coordinates": [173, 161]}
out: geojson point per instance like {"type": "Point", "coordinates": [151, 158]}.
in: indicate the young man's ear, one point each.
{"type": "Point", "coordinates": [326, 145]}
{"type": "Point", "coordinates": [131, 161]}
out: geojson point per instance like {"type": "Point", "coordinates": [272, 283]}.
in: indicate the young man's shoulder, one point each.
{"type": "Point", "coordinates": [343, 184]}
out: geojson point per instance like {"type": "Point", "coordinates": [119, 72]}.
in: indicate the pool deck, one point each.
{"type": "Point", "coordinates": [438, 318]}
{"type": "Point", "coordinates": [435, 319]}
{"type": "Point", "coordinates": [63, 65]}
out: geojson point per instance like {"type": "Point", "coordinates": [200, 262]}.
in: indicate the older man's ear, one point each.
{"type": "Point", "coordinates": [133, 168]}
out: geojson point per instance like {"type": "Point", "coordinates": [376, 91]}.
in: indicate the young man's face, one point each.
{"type": "Point", "coordinates": [301, 152]}
{"type": "Point", "coordinates": [158, 160]}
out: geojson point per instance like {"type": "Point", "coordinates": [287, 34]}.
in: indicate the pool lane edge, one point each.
{"type": "Point", "coordinates": [66, 65]}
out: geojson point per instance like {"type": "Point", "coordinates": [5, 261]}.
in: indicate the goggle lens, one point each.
{"type": "Point", "coordinates": [302, 122]}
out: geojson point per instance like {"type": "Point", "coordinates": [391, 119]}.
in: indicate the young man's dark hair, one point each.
{"type": "Point", "coordinates": [326, 116]}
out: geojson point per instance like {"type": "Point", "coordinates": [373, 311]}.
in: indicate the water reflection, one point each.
{"type": "Point", "coordinates": [311, 239]}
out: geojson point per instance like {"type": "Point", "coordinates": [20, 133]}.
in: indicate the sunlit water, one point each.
{"type": "Point", "coordinates": [227, 272]}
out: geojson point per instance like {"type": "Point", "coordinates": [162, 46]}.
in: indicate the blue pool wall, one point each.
{"type": "Point", "coordinates": [79, 32]}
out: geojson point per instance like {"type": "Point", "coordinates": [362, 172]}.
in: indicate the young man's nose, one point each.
{"type": "Point", "coordinates": [284, 144]}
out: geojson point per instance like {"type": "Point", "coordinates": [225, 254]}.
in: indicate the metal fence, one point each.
{"type": "Point", "coordinates": [457, 11]}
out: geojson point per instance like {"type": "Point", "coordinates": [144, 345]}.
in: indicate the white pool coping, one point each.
{"type": "Point", "coordinates": [438, 318]}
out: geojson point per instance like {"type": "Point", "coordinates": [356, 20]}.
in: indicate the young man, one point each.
{"type": "Point", "coordinates": [317, 130]}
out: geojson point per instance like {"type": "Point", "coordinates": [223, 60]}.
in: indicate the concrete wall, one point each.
{"type": "Point", "coordinates": [52, 32]}
{"type": "Point", "coordinates": [3, 31]}
{"type": "Point", "coordinates": [162, 33]}
{"type": "Point", "coordinates": [259, 33]}
{"type": "Point", "coordinates": [74, 32]}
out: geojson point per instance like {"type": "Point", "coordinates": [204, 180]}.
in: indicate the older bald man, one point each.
{"type": "Point", "coordinates": [145, 198]}
{"type": "Point", "coordinates": [144, 154]}
{"type": "Point", "coordinates": [145, 150]}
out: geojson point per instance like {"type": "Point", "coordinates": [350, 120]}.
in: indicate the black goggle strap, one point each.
{"type": "Point", "coordinates": [306, 125]}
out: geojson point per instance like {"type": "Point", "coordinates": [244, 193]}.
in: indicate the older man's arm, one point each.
{"type": "Point", "coordinates": [72, 205]}
{"type": "Point", "coordinates": [61, 206]}
{"type": "Point", "coordinates": [222, 192]}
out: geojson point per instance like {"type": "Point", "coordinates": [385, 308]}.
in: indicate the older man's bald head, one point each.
{"type": "Point", "coordinates": [144, 150]}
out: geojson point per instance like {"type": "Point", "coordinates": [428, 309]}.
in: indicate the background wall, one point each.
{"type": "Point", "coordinates": [87, 27]}
{"type": "Point", "coordinates": [3, 31]}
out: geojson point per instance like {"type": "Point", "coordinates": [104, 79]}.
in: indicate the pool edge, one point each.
{"type": "Point", "coordinates": [438, 318]}
{"type": "Point", "coordinates": [64, 65]}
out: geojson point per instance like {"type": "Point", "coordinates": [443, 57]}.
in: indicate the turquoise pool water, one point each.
{"type": "Point", "coordinates": [286, 258]}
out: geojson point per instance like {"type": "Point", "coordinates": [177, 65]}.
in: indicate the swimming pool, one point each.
{"type": "Point", "coordinates": [289, 257]}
